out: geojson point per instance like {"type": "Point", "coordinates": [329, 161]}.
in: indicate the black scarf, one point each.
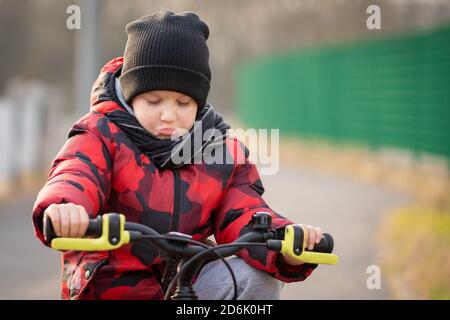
{"type": "Point", "coordinates": [160, 151]}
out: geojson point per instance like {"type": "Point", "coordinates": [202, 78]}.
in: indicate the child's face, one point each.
{"type": "Point", "coordinates": [159, 110]}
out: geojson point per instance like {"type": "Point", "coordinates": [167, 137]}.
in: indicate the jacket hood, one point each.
{"type": "Point", "coordinates": [103, 88]}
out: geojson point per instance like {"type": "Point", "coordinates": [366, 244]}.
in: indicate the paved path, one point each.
{"type": "Point", "coordinates": [28, 269]}
{"type": "Point", "coordinates": [348, 209]}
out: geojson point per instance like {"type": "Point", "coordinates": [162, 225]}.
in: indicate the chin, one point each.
{"type": "Point", "coordinates": [164, 137]}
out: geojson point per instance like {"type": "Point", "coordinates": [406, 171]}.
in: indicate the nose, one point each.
{"type": "Point", "coordinates": [167, 114]}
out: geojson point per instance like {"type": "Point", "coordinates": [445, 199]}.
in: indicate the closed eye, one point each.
{"type": "Point", "coordinates": [153, 101]}
{"type": "Point", "coordinates": [183, 103]}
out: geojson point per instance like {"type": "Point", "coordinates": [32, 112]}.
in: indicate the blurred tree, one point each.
{"type": "Point", "coordinates": [36, 43]}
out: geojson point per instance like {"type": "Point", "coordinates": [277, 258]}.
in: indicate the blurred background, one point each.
{"type": "Point", "coordinates": [363, 116]}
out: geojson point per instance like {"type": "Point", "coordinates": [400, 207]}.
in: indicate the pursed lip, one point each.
{"type": "Point", "coordinates": [166, 131]}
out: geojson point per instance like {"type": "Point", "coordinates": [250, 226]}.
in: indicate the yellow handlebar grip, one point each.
{"type": "Point", "coordinates": [294, 245]}
{"type": "Point", "coordinates": [103, 243]}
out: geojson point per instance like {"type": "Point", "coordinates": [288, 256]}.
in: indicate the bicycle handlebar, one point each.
{"type": "Point", "coordinates": [110, 232]}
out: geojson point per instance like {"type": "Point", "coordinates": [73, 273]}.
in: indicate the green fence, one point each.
{"type": "Point", "coordinates": [387, 92]}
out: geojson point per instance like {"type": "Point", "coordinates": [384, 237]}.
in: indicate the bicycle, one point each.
{"type": "Point", "coordinates": [110, 231]}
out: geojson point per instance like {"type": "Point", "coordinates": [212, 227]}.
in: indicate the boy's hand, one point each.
{"type": "Point", "coordinates": [314, 236]}
{"type": "Point", "coordinates": [68, 219]}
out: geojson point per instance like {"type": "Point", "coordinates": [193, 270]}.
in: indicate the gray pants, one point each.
{"type": "Point", "coordinates": [214, 282]}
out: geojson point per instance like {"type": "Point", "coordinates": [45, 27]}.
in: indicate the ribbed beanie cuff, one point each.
{"type": "Point", "coordinates": [165, 77]}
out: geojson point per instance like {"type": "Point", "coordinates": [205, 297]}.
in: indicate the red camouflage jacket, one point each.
{"type": "Point", "coordinates": [101, 169]}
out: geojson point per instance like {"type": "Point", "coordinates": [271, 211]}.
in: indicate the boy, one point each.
{"type": "Point", "coordinates": [119, 158]}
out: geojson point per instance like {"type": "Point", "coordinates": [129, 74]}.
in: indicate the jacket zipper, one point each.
{"type": "Point", "coordinates": [176, 201]}
{"type": "Point", "coordinates": [169, 270]}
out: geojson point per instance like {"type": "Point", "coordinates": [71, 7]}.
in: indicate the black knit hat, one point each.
{"type": "Point", "coordinates": [167, 51]}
